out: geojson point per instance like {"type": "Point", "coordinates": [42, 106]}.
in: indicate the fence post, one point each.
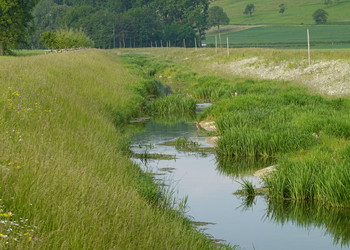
{"type": "Point", "coordinates": [308, 47]}
{"type": "Point", "coordinates": [228, 47]}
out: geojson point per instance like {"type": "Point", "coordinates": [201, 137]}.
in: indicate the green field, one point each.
{"type": "Point", "coordinates": [297, 12]}
{"type": "Point", "coordinates": [321, 36]}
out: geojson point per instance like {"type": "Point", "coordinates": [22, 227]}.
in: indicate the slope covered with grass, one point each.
{"type": "Point", "coordinates": [66, 182]}
{"type": "Point", "coordinates": [297, 12]}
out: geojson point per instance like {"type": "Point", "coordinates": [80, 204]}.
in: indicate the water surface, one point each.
{"type": "Point", "coordinates": [209, 184]}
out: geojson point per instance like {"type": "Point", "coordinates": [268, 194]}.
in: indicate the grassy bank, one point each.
{"type": "Point", "coordinates": [65, 177]}
{"type": "Point", "coordinates": [307, 135]}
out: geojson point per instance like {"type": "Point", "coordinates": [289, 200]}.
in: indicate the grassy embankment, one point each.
{"type": "Point", "coordinates": [307, 133]}
{"type": "Point", "coordinates": [66, 180]}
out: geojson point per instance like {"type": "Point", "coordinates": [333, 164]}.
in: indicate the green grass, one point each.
{"type": "Point", "coordinates": [306, 134]}
{"type": "Point", "coordinates": [297, 12]}
{"type": "Point", "coordinates": [292, 37]}
{"type": "Point", "coordinates": [64, 163]}
{"type": "Point", "coordinates": [173, 104]}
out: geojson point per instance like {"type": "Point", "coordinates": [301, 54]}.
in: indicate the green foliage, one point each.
{"type": "Point", "coordinates": [48, 39]}
{"type": "Point", "coordinates": [15, 16]}
{"type": "Point", "coordinates": [185, 143]}
{"type": "Point", "coordinates": [173, 104]}
{"type": "Point", "coordinates": [321, 177]}
{"type": "Point", "coordinates": [211, 89]}
{"type": "Point", "coordinates": [120, 23]}
{"type": "Point", "coordinates": [247, 188]}
{"type": "Point", "coordinates": [320, 16]}
{"type": "Point", "coordinates": [217, 17]}
{"type": "Point", "coordinates": [66, 39]}
{"type": "Point", "coordinates": [249, 9]}
{"type": "Point", "coordinates": [283, 8]}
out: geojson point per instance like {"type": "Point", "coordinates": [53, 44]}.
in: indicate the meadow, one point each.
{"type": "Point", "coordinates": [286, 37]}
{"type": "Point", "coordinates": [297, 11]}
{"type": "Point", "coordinates": [66, 178]}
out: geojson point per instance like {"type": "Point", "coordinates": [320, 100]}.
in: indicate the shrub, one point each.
{"type": "Point", "coordinates": [66, 39]}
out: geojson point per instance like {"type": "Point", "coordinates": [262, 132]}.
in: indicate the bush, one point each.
{"type": "Point", "coordinates": [66, 39]}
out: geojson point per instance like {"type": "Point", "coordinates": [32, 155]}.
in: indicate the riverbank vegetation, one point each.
{"type": "Point", "coordinates": [66, 178]}
{"type": "Point", "coordinates": [305, 133]}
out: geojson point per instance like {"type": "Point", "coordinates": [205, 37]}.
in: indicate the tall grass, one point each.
{"type": "Point", "coordinates": [321, 176]}
{"type": "Point", "coordinates": [211, 89]}
{"type": "Point", "coordinates": [173, 104]}
{"type": "Point", "coordinates": [62, 159]}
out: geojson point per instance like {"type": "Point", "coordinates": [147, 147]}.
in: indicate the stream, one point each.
{"type": "Point", "coordinates": [209, 184]}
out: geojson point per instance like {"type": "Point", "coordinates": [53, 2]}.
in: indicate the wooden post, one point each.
{"type": "Point", "coordinates": [156, 44]}
{"type": "Point", "coordinates": [216, 44]}
{"type": "Point", "coordinates": [2, 49]}
{"type": "Point", "coordinates": [195, 43]}
{"type": "Point", "coordinates": [228, 47]}
{"type": "Point", "coordinates": [308, 47]}
{"type": "Point", "coordinates": [184, 42]}
{"type": "Point", "coordinates": [161, 43]}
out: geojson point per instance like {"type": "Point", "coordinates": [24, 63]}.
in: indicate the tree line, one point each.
{"type": "Point", "coordinates": [125, 23]}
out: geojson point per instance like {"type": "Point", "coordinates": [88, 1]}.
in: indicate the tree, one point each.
{"type": "Point", "coordinates": [282, 8]}
{"type": "Point", "coordinates": [249, 9]}
{"type": "Point", "coordinates": [217, 17]}
{"type": "Point", "coordinates": [15, 16]}
{"type": "Point", "coordinates": [327, 2]}
{"type": "Point", "coordinates": [320, 16]}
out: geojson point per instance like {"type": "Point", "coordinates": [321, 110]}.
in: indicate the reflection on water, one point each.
{"type": "Point", "coordinates": [334, 221]}
{"type": "Point", "coordinates": [242, 166]}
{"type": "Point", "coordinates": [209, 183]}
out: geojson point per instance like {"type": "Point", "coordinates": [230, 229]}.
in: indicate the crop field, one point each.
{"type": "Point", "coordinates": [297, 12]}
{"type": "Point", "coordinates": [287, 37]}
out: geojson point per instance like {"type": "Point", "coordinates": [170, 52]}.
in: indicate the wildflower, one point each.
{"type": "Point", "coordinates": [9, 214]}
{"type": "Point", "coordinates": [3, 236]}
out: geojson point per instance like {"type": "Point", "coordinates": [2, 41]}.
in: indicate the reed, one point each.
{"type": "Point", "coordinates": [322, 176]}
{"type": "Point", "coordinates": [173, 104]}
{"type": "Point", "coordinates": [211, 89]}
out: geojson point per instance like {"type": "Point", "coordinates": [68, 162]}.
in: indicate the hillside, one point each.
{"type": "Point", "coordinates": [297, 12]}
